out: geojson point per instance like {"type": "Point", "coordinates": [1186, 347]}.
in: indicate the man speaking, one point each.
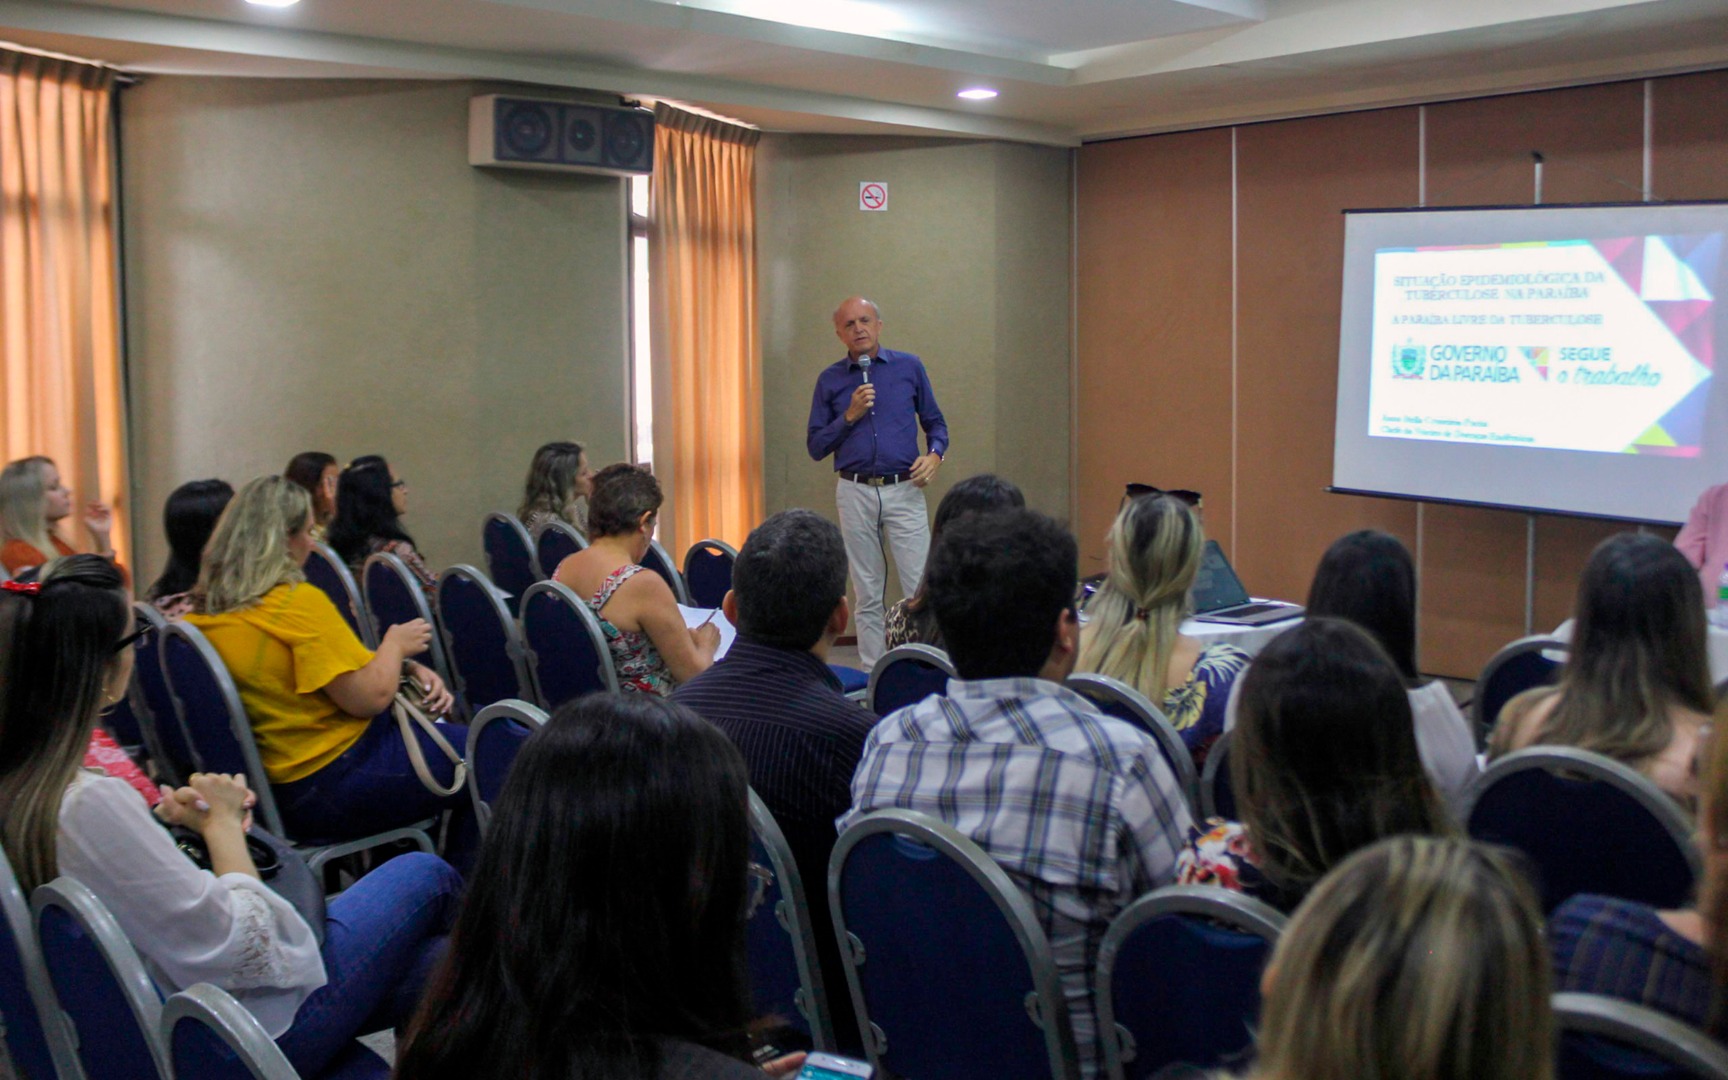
{"type": "Point", "coordinates": [866, 412]}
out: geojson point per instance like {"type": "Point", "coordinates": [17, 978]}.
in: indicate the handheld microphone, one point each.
{"type": "Point", "coordinates": [864, 362]}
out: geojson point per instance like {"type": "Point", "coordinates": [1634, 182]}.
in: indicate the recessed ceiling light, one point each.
{"type": "Point", "coordinates": [977, 93]}
{"type": "Point", "coordinates": [274, 3]}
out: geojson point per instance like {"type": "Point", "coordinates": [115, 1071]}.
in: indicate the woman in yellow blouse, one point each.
{"type": "Point", "coordinates": [312, 691]}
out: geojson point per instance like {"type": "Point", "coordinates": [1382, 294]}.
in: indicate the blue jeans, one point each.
{"type": "Point", "coordinates": [372, 787]}
{"type": "Point", "coordinates": [382, 938]}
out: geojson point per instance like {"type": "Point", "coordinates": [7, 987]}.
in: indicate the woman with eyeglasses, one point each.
{"type": "Point", "coordinates": [370, 501]}
{"type": "Point", "coordinates": [65, 649]}
{"type": "Point", "coordinates": [33, 502]}
{"type": "Point", "coordinates": [603, 934]}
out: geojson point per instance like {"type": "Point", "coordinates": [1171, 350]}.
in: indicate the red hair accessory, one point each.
{"type": "Point", "coordinates": [28, 588]}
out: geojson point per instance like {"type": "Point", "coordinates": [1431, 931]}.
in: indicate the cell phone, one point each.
{"type": "Point", "coordinates": [830, 1067]}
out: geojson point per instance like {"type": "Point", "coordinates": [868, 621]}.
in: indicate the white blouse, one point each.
{"type": "Point", "coordinates": [188, 925]}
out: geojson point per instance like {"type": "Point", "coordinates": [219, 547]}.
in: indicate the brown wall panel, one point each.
{"type": "Point", "coordinates": [1153, 291]}
{"type": "Point", "coordinates": [1479, 153]}
{"type": "Point", "coordinates": [1689, 137]}
{"type": "Point", "coordinates": [1293, 181]}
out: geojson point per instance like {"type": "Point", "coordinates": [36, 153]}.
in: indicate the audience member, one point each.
{"type": "Point", "coordinates": [1417, 959]}
{"type": "Point", "coordinates": [1369, 578]}
{"type": "Point", "coordinates": [310, 688]}
{"type": "Point", "coordinates": [319, 474]}
{"type": "Point", "coordinates": [1133, 627]}
{"type": "Point", "coordinates": [1674, 961]}
{"type": "Point", "coordinates": [370, 502]}
{"type": "Point", "coordinates": [652, 648]}
{"type": "Point", "coordinates": [32, 502]}
{"type": "Point", "coordinates": [558, 477]}
{"type": "Point", "coordinates": [65, 644]}
{"type": "Point", "coordinates": [1078, 807]}
{"type": "Point", "coordinates": [603, 934]}
{"type": "Point", "coordinates": [1324, 763]}
{"type": "Point", "coordinates": [775, 697]}
{"type": "Point", "coordinates": [1636, 686]}
{"type": "Point", "coordinates": [189, 517]}
{"type": "Point", "coordinates": [911, 620]}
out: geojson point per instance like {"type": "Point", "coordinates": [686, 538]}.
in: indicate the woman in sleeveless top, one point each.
{"type": "Point", "coordinates": [652, 649]}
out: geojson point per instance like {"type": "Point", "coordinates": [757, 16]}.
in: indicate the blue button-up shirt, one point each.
{"type": "Point", "coordinates": [884, 441]}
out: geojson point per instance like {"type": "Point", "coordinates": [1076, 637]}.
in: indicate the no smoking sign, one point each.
{"type": "Point", "coordinates": [872, 195]}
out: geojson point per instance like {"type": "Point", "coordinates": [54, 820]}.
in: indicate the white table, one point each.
{"type": "Point", "coordinates": [1250, 639]}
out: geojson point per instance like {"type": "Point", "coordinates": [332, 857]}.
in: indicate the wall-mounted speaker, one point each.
{"type": "Point", "coordinates": [528, 133]}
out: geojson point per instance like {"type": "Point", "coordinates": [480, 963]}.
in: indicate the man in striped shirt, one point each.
{"type": "Point", "coordinates": [1079, 808]}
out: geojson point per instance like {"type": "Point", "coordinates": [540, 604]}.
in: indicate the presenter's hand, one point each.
{"type": "Point", "coordinates": [862, 399]}
{"type": "Point", "coordinates": [924, 469]}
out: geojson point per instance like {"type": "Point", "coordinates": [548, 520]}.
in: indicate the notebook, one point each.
{"type": "Point", "coordinates": [1219, 596]}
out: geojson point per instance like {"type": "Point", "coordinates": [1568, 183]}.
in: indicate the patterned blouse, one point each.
{"type": "Point", "coordinates": [639, 664]}
{"type": "Point", "coordinates": [1196, 708]}
{"type": "Point", "coordinates": [908, 627]}
{"type": "Point", "coordinates": [416, 565]}
{"type": "Point", "coordinates": [1222, 855]}
{"type": "Point", "coordinates": [1621, 948]}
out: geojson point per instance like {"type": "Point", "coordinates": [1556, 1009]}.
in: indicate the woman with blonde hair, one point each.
{"type": "Point", "coordinates": [1133, 628]}
{"type": "Point", "coordinates": [313, 692]}
{"type": "Point", "coordinates": [1636, 686]}
{"type": "Point", "coordinates": [558, 477]}
{"type": "Point", "coordinates": [32, 502]}
{"type": "Point", "coordinates": [1417, 959]}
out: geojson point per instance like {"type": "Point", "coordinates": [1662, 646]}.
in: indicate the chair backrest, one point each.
{"type": "Point", "coordinates": [1518, 666]}
{"type": "Point", "coordinates": [906, 675]}
{"type": "Point", "coordinates": [208, 705]}
{"type": "Point", "coordinates": [1603, 1038]}
{"type": "Point", "coordinates": [554, 542]}
{"type": "Point", "coordinates": [951, 974]}
{"type": "Point", "coordinates": [494, 737]}
{"type": "Point", "coordinates": [481, 639]}
{"type": "Point", "coordinates": [100, 983]}
{"type": "Point", "coordinates": [1217, 793]}
{"type": "Point", "coordinates": [394, 596]}
{"type": "Point", "coordinates": [509, 557]}
{"type": "Point", "coordinates": [1116, 698]}
{"type": "Point", "coordinates": [1588, 823]}
{"type": "Point", "coordinates": [210, 1036]}
{"type": "Point", "coordinates": [1179, 979]}
{"type": "Point", "coordinates": [39, 1038]}
{"type": "Point", "coordinates": [567, 651]}
{"type": "Point", "coordinates": [153, 706]}
{"type": "Point", "coordinates": [325, 569]}
{"type": "Point", "coordinates": [656, 559]}
{"type": "Point", "coordinates": [708, 571]}
{"type": "Point", "coordinates": [785, 977]}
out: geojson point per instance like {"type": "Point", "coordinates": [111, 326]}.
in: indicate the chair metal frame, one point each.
{"type": "Point", "coordinates": [1235, 910]}
{"type": "Point", "coordinates": [670, 574]}
{"type": "Point", "coordinates": [394, 565]}
{"type": "Point", "coordinates": [367, 633]}
{"type": "Point", "coordinates": [57, 1030]}
{"type": "Point", "coordinates": [216, 1010]}
{"type": "Point", "coordinates": [240, 728]}
{"type": "Point", "coordinates": [1216, 758]}
{"type": "Point", "coordinates": [1512, 650]}
{"type": "Point", "coordinates": [1644, 1029]}
{"type": "Point", "coordinates": [607, 671]}
{"type": "Point", "coordinates": [89, 914]}
{"type": "Point", "coordinates": [519, 531]}
{"type": "Point", "coordinates": [525, 713]}
{"type": "Point", "coordinates": [1150, 719]}
{"type": "Point", "coordinates": [792, 912]}
{"type": "Point", "coordinates": [512, 630]}
{"type": "Point", "coordinates": [1051, 1013]}
{"type": "Point", "coordinates": [928, 655]}
{"type": "Point", "coordinates": [696, 550]}
{"type": "Point", "coordinates": [564, 528]}
{"type": "Point", "coordinates": [149, 724]}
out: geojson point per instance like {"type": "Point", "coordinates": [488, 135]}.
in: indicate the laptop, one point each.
{"type": "Point", "coordinates": [1219, 596]}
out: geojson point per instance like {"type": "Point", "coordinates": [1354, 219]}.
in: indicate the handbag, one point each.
{"type": "Point", "coordinates": [279, 866]}
{"type": "Point", "coordinates": [409, 711]}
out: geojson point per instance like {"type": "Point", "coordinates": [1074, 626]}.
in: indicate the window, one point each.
{"type": "Point", "coordinates": [641, 362]}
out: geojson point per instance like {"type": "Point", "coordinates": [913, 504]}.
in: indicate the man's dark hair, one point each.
{"type": "Point", "coordinates": [788, 579]}
{"type": "Point", "coordinates": [997, 583]}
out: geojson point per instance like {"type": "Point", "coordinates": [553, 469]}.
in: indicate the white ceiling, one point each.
{"type": "Point", "coordinates": [1085, 69]}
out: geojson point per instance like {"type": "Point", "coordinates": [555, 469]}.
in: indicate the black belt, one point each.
{"type": "Point", "coordinates": [875, 481]}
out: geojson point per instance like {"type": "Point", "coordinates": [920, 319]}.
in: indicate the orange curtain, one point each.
{"type": "Point", "coordinates": [706, 353]}
{"type": "Point", "coordinates": [60, 381]}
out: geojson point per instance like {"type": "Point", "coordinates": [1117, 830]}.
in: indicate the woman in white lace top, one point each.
{"type": "Point", "coordinates": [65, 653]}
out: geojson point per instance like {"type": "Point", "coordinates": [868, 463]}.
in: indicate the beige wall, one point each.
{"type": "Point", "coordinates": [970, 265]}
{"type": "Point", "coordinates": [315, 265]}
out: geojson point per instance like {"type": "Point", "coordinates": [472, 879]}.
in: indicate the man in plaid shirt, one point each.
{"type": "Point", "coordinates": [1079, 808]}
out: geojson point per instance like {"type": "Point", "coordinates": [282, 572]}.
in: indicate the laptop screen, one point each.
{"type": "Point", "coordinates": [1216, 585]}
